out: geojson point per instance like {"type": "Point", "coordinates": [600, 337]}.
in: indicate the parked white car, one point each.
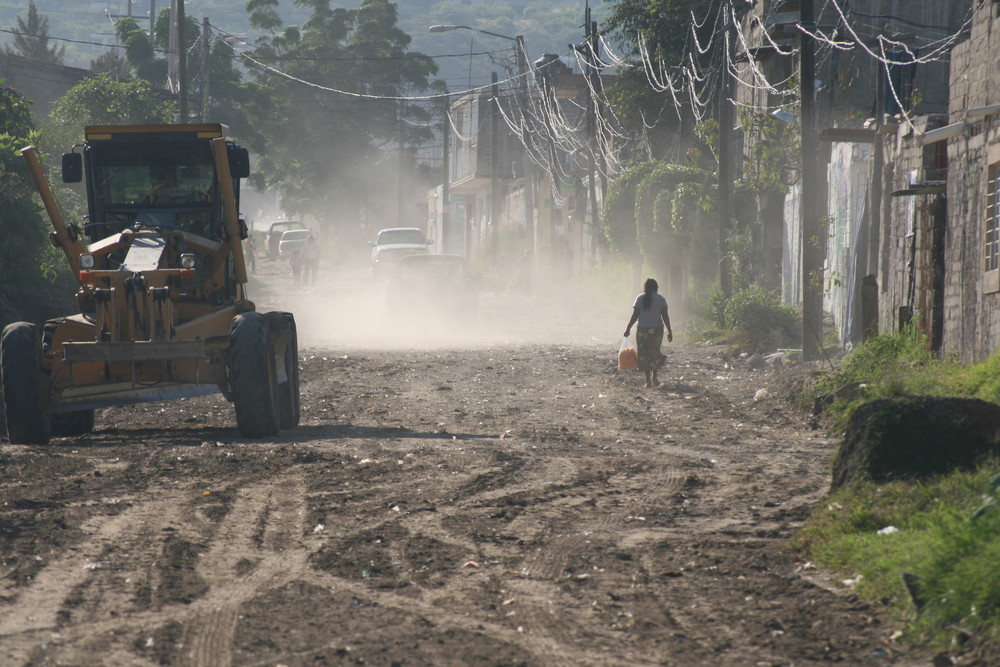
{"type": "Point", "coordinates": [394, 243]}
{"type": "Point", "coordinates": [292, 240]}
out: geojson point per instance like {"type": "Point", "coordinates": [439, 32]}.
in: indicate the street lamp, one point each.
{"type": "Point", "coordinates": [449, 28]}
{"type": "Point", "coordinates": [522, 70]}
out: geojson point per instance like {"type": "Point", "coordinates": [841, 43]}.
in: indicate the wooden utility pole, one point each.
{"type": "Point", "coordinates": [448, 244]}
{"type": "Point", "coordinates": [869, 290]}
{"type": "Point", "coordinates": [811, 250]}
{"type": "Point", "coordinates": [494, 165]}
{"type": "Point", "coordinates": [593, 74]}
{"type": "Point", "coordinates": [725, 114]}
{"type": "Point", "coordinates": [527, 171]}
{"type": "Point", "coordinates": [400, 169]}
{"type": "Point", "coordinates": [182, 84]}
{"type": "Point", "coordinates": [206, 45]}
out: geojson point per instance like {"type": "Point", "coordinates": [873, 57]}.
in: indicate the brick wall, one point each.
{"type": "Point", "coordinates": [972, 295]}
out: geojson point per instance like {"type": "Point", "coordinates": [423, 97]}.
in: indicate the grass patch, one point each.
{"type": "Point", "coordinates": [900, 364]}
{"type": "Point", "coordinates": [946, 538]}
{"type": "Point", "coordinates": [936, 567]}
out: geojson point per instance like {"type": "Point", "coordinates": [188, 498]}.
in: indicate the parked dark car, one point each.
{"type": "Point", "coordinates": [434, 289]}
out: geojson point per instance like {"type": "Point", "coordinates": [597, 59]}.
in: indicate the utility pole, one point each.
{"type": "Point", "coordinates": [448, 242]}
{"type": "Point", "coordinates": [878, 163]}
{"type": "Point", "coordinates": [812, 270]}
{"type": "Point", "coordinates": [592, 74]}
{"type": "Point", "coordinates": [182, 84]}
{"type": "Point", "coordinates": [171, 46]}
{"type": "Point", "coordinates": [152, 18]}
{"type": "Point", "coordinates": [400, 176]}
{"type": "Point", "coordinates": [725, 114]}
{"type": "Point", "coordinates": [599, 137]}
{"type": "Point", "coordinates": [206, 43]}
{"type": "Point", "coordinates": [494, 165]}
{"type": "Point", "coordinates": [527, 173]}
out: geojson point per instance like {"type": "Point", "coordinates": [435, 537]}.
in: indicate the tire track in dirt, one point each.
{"type": "Point", "coordinates": [48, 594]}
{"type": "Point", "coordinates": [556, 625]}
{"type": "Point", "coordinates": [262, 533]}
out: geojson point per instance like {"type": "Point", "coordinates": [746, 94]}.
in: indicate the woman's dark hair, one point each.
{"type": "Point", "coordinates": [649, 288]}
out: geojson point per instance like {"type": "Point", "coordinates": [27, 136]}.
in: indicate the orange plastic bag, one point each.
{"type": "Point", "coordinates": [628, 357]}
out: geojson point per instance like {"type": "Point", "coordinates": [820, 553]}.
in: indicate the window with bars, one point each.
{"type": "Point", "coordinates": [992, 236]}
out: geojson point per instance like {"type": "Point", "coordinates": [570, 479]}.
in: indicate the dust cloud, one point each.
{"type": "Point", "coordinates": [346, 308]}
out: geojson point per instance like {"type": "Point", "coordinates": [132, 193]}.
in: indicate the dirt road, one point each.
{"type": "Point", "coordinates": [510, 499]}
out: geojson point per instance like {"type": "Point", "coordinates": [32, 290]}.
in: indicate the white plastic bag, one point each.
{"type": "Point", "coordinates": [628, 356]}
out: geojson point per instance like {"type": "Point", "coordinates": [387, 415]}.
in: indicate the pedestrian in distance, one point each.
{"type": "Point", "coordinates": [310, 260]}
{"type": "Point", "coordinates": [251, 252]}
{"type": "Point", "coordinates": [296, 262]}
{"type": "Point", "coordinates": [650, 314]}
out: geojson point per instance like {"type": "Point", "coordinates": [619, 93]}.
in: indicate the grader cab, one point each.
{"type": "Point", "coordinates": [164, 312]}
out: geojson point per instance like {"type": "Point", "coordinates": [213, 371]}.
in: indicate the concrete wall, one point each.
{"type": "Point", "coordinates": [42, 83]}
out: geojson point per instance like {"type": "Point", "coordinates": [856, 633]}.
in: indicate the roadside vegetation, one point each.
{"type": "Point", "coordinates": [927, 549]}
{"type": "Point", "coordinates": [35, 282]}
{"type": "Point", "coordinates": [753, 320]}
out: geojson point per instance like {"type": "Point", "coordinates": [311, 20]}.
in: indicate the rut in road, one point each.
{"type": "Point", "coordinates": [500, 506]}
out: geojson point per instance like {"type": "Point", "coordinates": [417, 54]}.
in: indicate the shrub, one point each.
{"type": "Point", "coordinates": [759, 316]}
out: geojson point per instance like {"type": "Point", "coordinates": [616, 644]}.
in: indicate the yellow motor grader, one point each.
{"type": "Point", "coordinates": [164, 312]}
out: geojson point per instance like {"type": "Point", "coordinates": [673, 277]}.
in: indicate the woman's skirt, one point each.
{"type": "Point", "coordinates": [648, 341]}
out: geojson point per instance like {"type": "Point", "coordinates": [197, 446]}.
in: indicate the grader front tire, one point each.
{"type": "Point", "coordinates": [23, 385]}
{"type": "Point", "coordinates": [252, 376]}
{"type": "Point", "coordinates": [288, 391]}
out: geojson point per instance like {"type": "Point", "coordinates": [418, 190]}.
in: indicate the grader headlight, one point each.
{"type": "Point", "coordinates": [87, 261]}
{"type": "Point", "coordinates": [188, 260]}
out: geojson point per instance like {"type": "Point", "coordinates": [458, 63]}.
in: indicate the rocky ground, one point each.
{"type": "Point", "coordinates": [502, 497]}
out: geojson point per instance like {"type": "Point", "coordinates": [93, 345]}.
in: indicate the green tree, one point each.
{"type": "Point", "coordinates": [140, 53]}
{"type": "Point", "coordinates": [326, 151]}
{"type": "Point", "coordinates": [31, 38]}
{"type": "Point", "coordinates": [665, 30]}
{"type": "Point", "coordinates": [226, 98]}
{"type": "Point", "coordinates": [653, 211]}
{"type": "Point", "coordinates": [32, 275]}
{"type": "Point", "coordinates": [101, 100]}
{"type": "Point", "coordinates": [110, 62]}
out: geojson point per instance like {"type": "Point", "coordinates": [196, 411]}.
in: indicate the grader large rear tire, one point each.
{"type": "Point", "coordinates": [23, 384]}
{"type": "Point", "coordinates": [288, 391]}
{"type": "Point", "coordinates": [252, 376]}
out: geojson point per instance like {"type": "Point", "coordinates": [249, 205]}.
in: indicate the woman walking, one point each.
{"type": "Point", "coordinates": [649, 312]}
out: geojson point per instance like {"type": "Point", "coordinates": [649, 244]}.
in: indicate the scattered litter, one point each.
{"type": "Point", "coordinates": [363, 462]}
{"type": "Point", "coordinates": [471, 563]}
{"type": "Point", "coordinates": [888, 530]}
{"type": "Point", "coordinates": [760, 395]}
{"type": "Point", "coordinates": [319, 528]}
